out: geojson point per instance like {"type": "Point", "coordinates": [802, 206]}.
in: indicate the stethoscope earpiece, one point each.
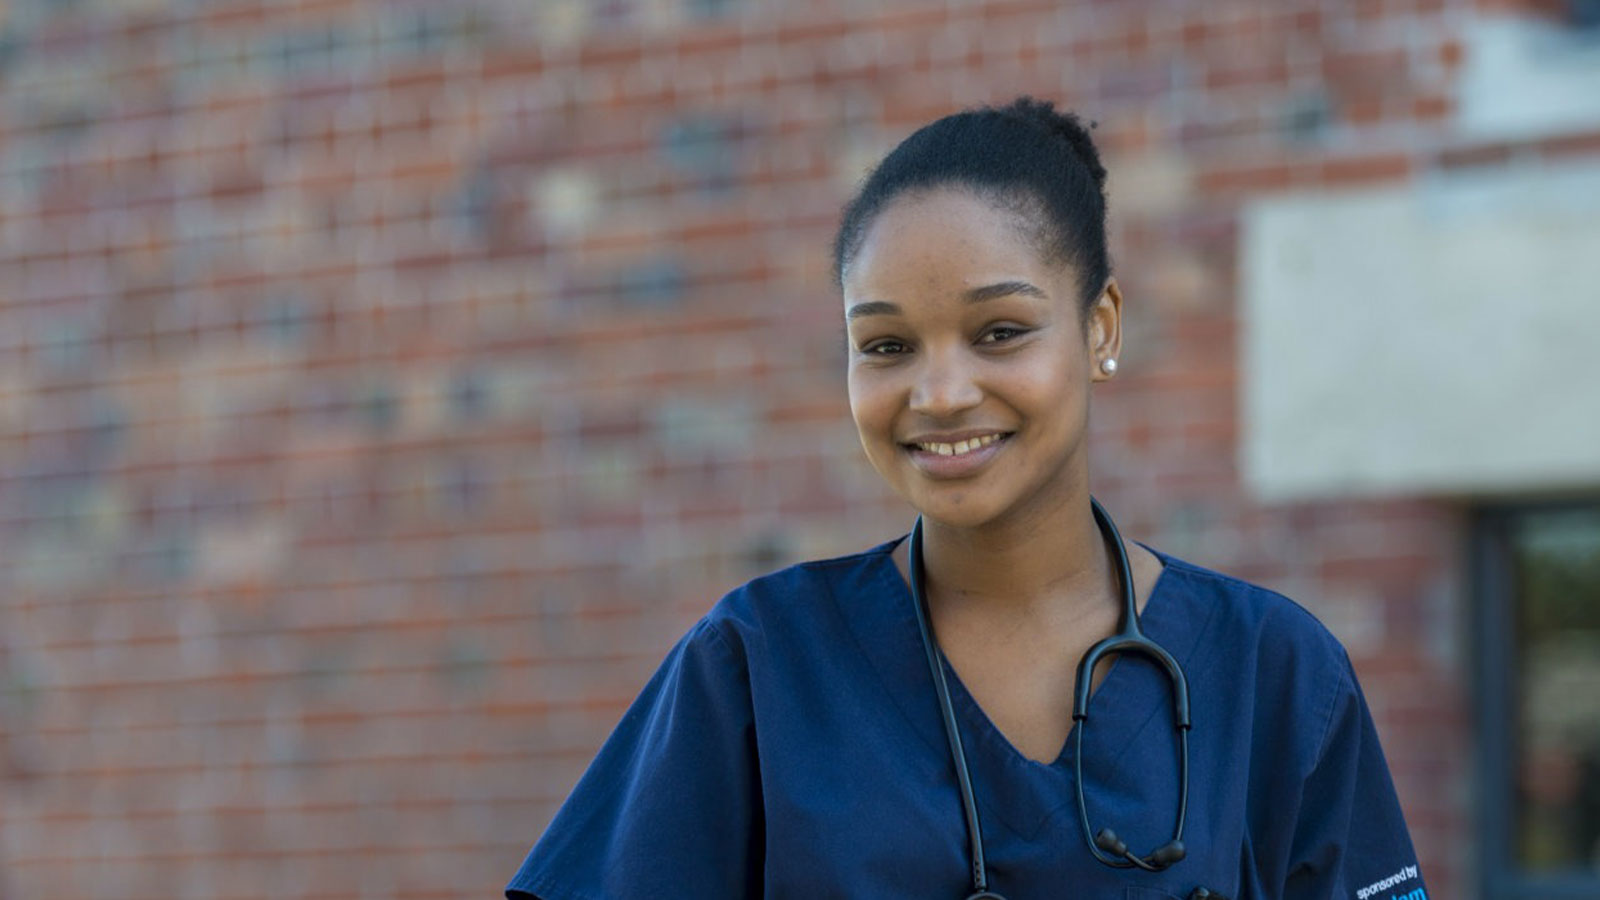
{"type": "Point", "coordinates": [1164, 856]}
{"type": "Point", "coordinates": [1168, 854]}
{"type": "Point", "coordinates": [1107, 840]}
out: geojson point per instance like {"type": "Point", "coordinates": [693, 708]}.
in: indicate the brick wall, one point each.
{"type": "Point", "coordinates": [385, 385]}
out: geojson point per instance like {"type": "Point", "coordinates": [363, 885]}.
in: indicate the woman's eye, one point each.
{"type": "Point", "coordinates": [884, 348]}
{"type": "Point", "coordinates": [1001, 333]}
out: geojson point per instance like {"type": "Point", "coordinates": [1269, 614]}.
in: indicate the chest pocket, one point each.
{"type": "Point", "coordinates": [1144, 893]}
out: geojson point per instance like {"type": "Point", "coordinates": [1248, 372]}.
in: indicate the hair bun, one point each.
{"type": "Point", "coordinates": [1026, 158]}
{"type": "Point", "coordinates": [1043, 114]}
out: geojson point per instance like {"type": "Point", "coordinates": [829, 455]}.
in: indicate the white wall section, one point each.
{"type": "Point", "coordinates": [1440, 337]}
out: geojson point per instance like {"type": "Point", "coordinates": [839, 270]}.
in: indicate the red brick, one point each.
{"type": "Point", "coordinates": [1450, 54]}
{"type": "Point", "coordinates": [1366, 75]}
{"type": "Point", "coordinates": [1474, 155]}
{"type": "Point", "coordinates": [1273, 73]}
{"type": "Point", "coordinates": [912, 17]}
{"type": "Point", "coordinates": [1307, 23]}
{"type": "Point", "coordinates": [1196, 34]}
{"type": "Point", "coordinates": [710, 38]}
{"type": "Point", "coordinates": [1364, 169]}
{"type": "Point", "coordinates": [1261, 177]}
{"type": "Point", "coordinates": [1583, 145]}
{"type": "Point", "coordinates": [597, 54]}
{"type": "Point", "coordinates": [1432, 108]}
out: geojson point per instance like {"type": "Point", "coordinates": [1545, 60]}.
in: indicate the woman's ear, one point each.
{"type": "Point", "coordinates": [1103, 331]}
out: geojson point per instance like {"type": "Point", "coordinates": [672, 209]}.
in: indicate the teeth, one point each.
{"type": "Point", "coordinates": [960, 447]}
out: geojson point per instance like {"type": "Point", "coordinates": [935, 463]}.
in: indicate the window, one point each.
{"type": "Point", "coordinates": [1537, 577]}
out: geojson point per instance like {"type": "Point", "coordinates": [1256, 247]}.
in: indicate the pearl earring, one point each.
{"type": "Point", "coordinates": [1108, 366]}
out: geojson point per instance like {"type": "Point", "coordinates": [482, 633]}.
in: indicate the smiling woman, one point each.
{"type": "Point", "coordinates": [960, 329]}
{"type": "Point", "coordinates": [913, 720]}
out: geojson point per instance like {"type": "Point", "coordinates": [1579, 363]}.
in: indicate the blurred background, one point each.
{"type": "Point", "coordinates": [386, 384]}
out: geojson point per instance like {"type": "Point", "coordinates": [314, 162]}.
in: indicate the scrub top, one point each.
{"type": "Point", "coordinates": [791, 745]}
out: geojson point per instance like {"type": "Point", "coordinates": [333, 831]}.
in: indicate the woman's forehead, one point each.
{"type": "Point", "coordinates": [946, 238]}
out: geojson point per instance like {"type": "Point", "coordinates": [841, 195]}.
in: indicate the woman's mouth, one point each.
{"type": "Point", "coordinates": [960, 448]}
{"type": "Point", "coordinates": [952, 459]}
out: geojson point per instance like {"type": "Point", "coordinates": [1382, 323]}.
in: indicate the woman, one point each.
{"type": "Point", "coordinates": [798, 742]}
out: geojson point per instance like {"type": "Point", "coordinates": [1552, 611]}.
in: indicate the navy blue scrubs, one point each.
{"type": "Point", "coordinates": [791, 746]}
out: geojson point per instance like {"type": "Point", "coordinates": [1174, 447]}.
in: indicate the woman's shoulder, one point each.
{"type": "Point", "coordinates": [1267, 651]}
{"type": "Point", "coordinates": [809, 594]}
{"type": "Point", "coordinates": [794, 589]}
{"type": "Point", "coordinates": [1240, 616]}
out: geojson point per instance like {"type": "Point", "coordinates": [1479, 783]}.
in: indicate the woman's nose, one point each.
{"type": "Point", "coordinates": [944, 387]}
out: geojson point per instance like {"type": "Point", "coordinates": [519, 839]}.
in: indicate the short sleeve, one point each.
{"type": "Point", "coordinates": [670, 807]}
{"type": "Point", "coordinates": [1351, 842]}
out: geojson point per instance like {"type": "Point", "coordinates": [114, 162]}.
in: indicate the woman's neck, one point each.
{"type": "Point", "coordinates": [1050, 565]}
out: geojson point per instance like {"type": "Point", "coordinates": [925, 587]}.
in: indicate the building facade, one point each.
{"type": "Point", "coordinates": [384, 386]}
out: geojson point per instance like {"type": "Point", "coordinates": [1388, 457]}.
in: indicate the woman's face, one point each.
{"type": "Point", "coordinates": [970, 362]}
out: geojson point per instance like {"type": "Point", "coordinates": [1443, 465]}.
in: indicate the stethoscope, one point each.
{"type": "Point", "coordinates": [1106, 846]}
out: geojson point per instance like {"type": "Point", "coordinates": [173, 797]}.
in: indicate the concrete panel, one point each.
{"type": "Point", "coordinates": [1441, 337]}
{"type": "Point", "coordinates": [1527, 78]}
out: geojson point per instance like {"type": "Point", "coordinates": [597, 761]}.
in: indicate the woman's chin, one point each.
{"type": "Point", "coordinates": [991, 507]}
{"type": "Point", "coordinates": [963, 512]}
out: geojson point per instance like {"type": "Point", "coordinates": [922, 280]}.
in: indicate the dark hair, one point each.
{"type": "Point", "coordinates": [1025, 156]}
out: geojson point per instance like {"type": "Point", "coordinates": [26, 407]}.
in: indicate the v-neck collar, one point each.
{"type": "Point", "coordinates": [1012, 789]}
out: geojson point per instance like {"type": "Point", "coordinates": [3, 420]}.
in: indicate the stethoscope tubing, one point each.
{"type": "Point", "coordinates": [1104, 845]}
{"type": "Point", "coordinates": [980, 872]}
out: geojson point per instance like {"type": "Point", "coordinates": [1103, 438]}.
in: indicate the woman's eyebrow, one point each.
{"type": "Point", "coordinates": [973, 295]}
{"type": "Point", "coordinates": [1002, 289]}
{"type": "Point", "coordinates": [871, 308]}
